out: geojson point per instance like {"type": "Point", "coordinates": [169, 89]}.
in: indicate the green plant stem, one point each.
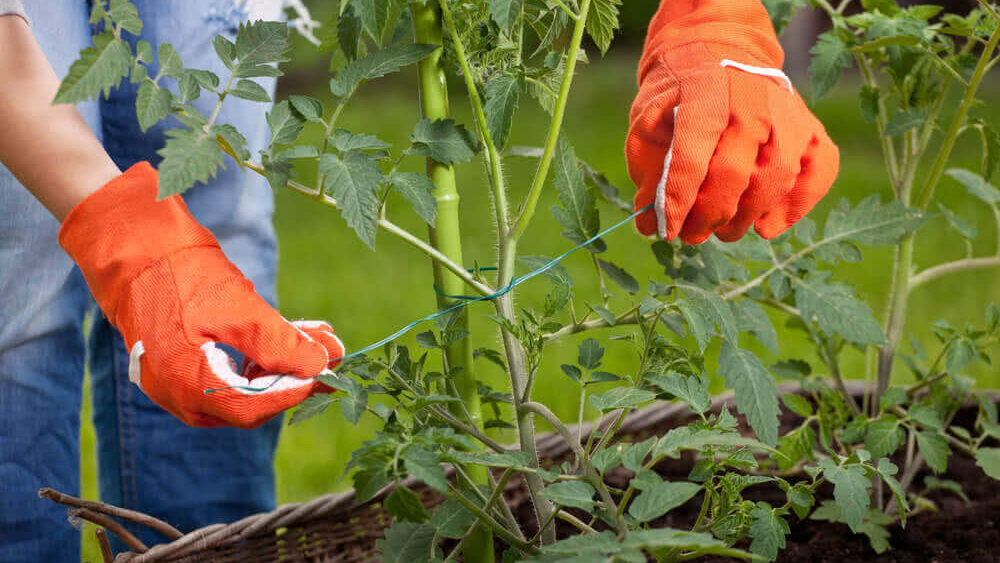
{"type": "Point", "coordinates": [557, 119]}
{"type": "Point", "coordinates": [590, 471]}
{"type": "Point", "coordinates": [629, 317]}
{"type": "Point", "coordinates": [881, 118]}
{"type": "Point", "coordinates": [903, 259]}
{"type": "Point", "coordinates": [218, 104]}
{"type": "Point", "coordinates": [957, 266]}
{"type": "Point", "coordinates": [937, 169]}
{"type": "Point", "coordinates": [494, 160]}
{"type": "Point", "coordinates": [497, 528]}
{"type": "Point", "coordinates": [446, 236]}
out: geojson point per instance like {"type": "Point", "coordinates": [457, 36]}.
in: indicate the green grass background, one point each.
{"type": "Point", "coordinates": [327, 273]}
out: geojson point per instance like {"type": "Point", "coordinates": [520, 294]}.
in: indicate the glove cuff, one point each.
{"type": "Point", "coordinates": [739, 30]}
{"type": "Point", "coordinates": [121, 229]}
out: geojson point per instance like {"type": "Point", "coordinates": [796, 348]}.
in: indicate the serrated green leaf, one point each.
{"type": "Point", "coordinates": [927, 416]}
{"type": "Point", "coordinates": [660, 499]}
{"type": "Point", "coordinates": [232, 142]}
{"type": "Point", "coordinates": [621, 398]}
{"type": "Point", "coordinates": [781, 12]}
{"type": "Point", "coordinates": [309, 108]}
{"type": "Point", "coordinates": [634, 456]}
{"type": "Point", "coordinates": [935, 450]}
{"type": "Point", "coordinates": [451, 519]}
{"type": "Point", "coordinates": [976, 185]}
{"type": "Point", "coordinates": [98, 69]}
{"type": "Point", "coordinates": [714, 309]}
{"type": "Point", "coordinates": [416, 188]}
{"type": "Point", "coordinates": [989, 460]}
{"type": "Point", "coordinates": [685, 438]}
{"type": "Point", "coordinates": [602, 21]}
{"type": "Point", "coordinates": [688, 388]}
{"type": "Point", "coordinates": [578, 213]}
{"type": "Point", "coordinates": [284, 124]}
{"type": "Point", "coordinates": [261, 42]}
{"type": "Point", "coordinates": [226, 50]}
{"type": "Point", "coordinates": [589, 354]}
{"type": "Point", "coordinates": [189, 157]}
{"type": "Point", "coordinates": [618, 275]}
{"type": "Point", "coordinates": [576, 494]}
{"type": "Point", "coordinates": [505, 12]}
{"type": "Point", "coordinates": [961, 353]}
{"type": "Point", "coordinates": [311, 407]}
{"type": "Point", "coordinates": [170, 60]}
{"type": "Point", "coordinates": [959, 224]}
{"type": "Point", "coordinates": [884, 437]}
{"type": "Point", "coordinates": [443, 140]}
{"type": "Point", "coordinates": [795, 446]}
{"type": "Point", "coordinates": [250, 90]}
{"type": "Point", "coordinates": [354, 181]}
{"type": "Point", "coordinates": [378, 64]}
{"type": "Point", "coordinates": [406, 542]}
{"type": "Point", "coordinates": [751, 317]}
{"type": "Point", "coordinates": [125, 14]}
{"type": "Point", "coordinates": [905, 120]}
{"type": "Point", "coordinates": [836, 310]}
{"type": "Point", "coordinates": [797, 404]}
{"type": "Point", "coordinates": [425, 465]}
{"type": "Point", "coordinates": [152, 104]}
{"type": "Point", "coordinates": [756, 394]}
{"type": "Point", "coordinates": [374, 15]}
{"type": "Point", "coordinates": [850, 491]}
{"type": "Point", "coordinates": [502, 94]}
{"type": "Point", "coordinates": [404, 505]}
{"type": "Point", "coordinates": [868, 99]}
{"type": "Point", "coordinates": [768, 531]}
{"type": "Point", "coordinates": [830, 58]}
{"type": "Point", "coordinates": [887, 471]}
{"type": "Point", "coordinates": [343, 140]}
{"type": "Point", "coordinates": [871, 223]}
{"type": "Point", "coordinates": [606, 315]}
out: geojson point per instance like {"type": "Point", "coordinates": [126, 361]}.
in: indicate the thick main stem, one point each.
{"type": "Point", "coordinates": [446, 237]}
{"type": "Point", "coordinates": [903, 262]}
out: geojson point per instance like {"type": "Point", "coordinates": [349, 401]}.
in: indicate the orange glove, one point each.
{"type": "Point", "coordinates": [162, 280]}
{"type": "Point", "coordinates": [718, 138]}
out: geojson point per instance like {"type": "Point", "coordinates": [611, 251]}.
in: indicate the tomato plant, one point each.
{"type": "Point", "coordinates": [507, 53]}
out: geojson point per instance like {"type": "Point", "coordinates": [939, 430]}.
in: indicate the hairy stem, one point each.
{"type": "Point", "coordinates": [494, 161]}
{"type": "Point", "coordinates": [590, 471]}
{"type": "Point", "coordinates": [937, 169]}
{"type": "Point", "coordinates": [957, 266]}
{"type": "Point", "coordinates": [557, 119]}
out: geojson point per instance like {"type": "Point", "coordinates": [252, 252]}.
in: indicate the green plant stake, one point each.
{"type": "Point", "coordinates": [446, 236]}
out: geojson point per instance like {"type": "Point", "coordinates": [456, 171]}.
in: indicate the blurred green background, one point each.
{"type": "Point", "coordinates": [327, 273]}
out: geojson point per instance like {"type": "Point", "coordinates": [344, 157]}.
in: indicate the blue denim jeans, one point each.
{"type": "Point", "coordinates": [147, 460]}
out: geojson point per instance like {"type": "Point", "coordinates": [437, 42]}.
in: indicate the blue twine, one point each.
{"type": "Point", "coordinates": [464, 300]}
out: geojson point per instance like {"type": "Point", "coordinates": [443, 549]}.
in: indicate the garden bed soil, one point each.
{"type": "Point", "coordinates": [954, 532]}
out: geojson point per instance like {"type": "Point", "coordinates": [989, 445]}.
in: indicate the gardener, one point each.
{"type": "Point", "coordinates": [746, 152]}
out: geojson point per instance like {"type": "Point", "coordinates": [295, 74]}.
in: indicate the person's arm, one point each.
{"type": "Point", "coordinates": [158, 275]}
{"type": "Point", "coordinates": [49, 148]}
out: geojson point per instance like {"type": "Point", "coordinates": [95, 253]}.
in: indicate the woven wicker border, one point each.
{"type": "Point", "coordinates": [335, 528]}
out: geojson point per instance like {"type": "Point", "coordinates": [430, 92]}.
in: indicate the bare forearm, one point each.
{"type": "Point", "coordinates": [49, 148]}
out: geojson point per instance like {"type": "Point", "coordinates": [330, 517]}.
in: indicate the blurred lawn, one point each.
{"type": "Point", "coordinates": [327, 273]}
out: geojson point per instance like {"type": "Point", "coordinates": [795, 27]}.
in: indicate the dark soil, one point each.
{"type": "Point", "coordinates": [955, 531]}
